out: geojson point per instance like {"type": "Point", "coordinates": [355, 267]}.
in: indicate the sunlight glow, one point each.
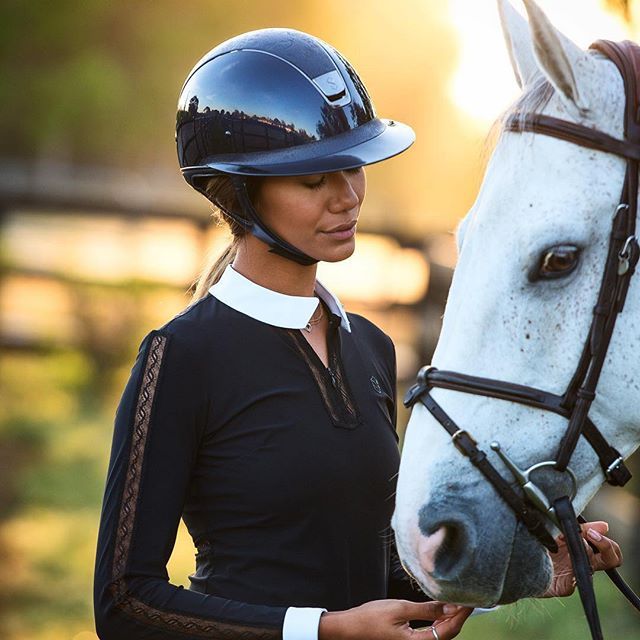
{"type": "Point", "coordinates": [376, 274]}
{"type": "Point", "coordinates": [104, 250]}
{"type": "Point", "coordinates": [483, 84]}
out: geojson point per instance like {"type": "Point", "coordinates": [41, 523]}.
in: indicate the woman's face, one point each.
{"type": "Point", "coordinates": [315, 213]}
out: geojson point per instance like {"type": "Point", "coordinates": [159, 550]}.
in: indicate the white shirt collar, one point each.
{"type": "Point", "coordinates": [271, 307]}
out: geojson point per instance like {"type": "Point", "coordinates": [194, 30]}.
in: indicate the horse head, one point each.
{"type": "Point", "coordinates": [532, 250]}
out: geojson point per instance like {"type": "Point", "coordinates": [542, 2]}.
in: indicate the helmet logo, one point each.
{"type": "Point", "coordinates": [333, 88]}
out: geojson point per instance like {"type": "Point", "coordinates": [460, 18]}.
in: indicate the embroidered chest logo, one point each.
{"type": "Point", "coordinates": [376, 385]}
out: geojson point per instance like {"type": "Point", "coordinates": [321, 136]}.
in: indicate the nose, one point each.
{"type": "Point", "coordinates": [346, 196]}
{"type": "Point", "coordinates": [446, 545]}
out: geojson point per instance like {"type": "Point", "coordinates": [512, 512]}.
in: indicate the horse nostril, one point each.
{"type": "Point", "coordinates": [445, 547]}
{"type": "Point", "coordinates": [428, 547]}
{"type": "Point", "coordinates": [452, 548]}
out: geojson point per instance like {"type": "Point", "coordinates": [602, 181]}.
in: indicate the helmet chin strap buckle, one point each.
{"type": "Point", "coordinates": [257, 228]}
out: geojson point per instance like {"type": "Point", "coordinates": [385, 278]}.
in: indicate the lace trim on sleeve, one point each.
{"type": "Point", "coordinates": [140, 431]}
{"type": "Point", "coordinates": [127, 603]}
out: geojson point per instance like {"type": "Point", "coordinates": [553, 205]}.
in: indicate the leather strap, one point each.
{"type": "Point", "coordinates": [572, 132]}
{"type": "Point", "coordinates": [256, 226]}
{"type": "Point", "coordinates": [626, 56]}
{"type": "Point", "coordinates": [580, 561]}
{"type": "Point", "coordinates": [613, 467]}
{"type": "Point", "coordinates": [611, 462]}
{"type": "Point", "coordinates": [614, 287]}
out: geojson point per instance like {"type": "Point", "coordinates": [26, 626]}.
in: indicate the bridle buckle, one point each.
{"type": "Point", "coordinates": [626, 254]}
{"type": "Point", "coordinates": [464, 443]}
{"type": "Point", "coordinates": [614, 467]}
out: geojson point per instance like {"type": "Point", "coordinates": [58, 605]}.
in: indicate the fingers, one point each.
{"type": "Point", "coordinates": [422, 610]}
{"type": "Point", "coordinates": [446, 627]}
{"type": "Point", "coordinates": [603, 552]}
{"type": "Point", "coordinates": [609, 554]}
{"type": "Point", "coordinates": [599, 525]}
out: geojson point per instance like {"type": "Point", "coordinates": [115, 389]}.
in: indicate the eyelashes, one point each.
{"type": "Point", "coordinates": [317, 184]}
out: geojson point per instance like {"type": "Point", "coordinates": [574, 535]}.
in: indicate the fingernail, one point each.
{"type": "Point", "coordinates": [594, 535]}
{"type": "Point", "coordinates": [450, 608]}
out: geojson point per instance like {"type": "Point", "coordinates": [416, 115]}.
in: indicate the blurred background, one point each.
{"type": "Point", "coordinates": [100, 240]}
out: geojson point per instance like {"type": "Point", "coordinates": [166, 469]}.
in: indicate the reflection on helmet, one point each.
{"type": "Point", "coordinates": [278, 102]}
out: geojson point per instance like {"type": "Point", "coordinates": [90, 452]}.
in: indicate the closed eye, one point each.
{"type": "Point", "coordinates": [316, 184]}
{"type": "Point", "coordinates": [319, 182]}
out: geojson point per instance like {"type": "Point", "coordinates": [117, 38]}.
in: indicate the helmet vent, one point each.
{"type": "Point", "coordinates": [333, 88]}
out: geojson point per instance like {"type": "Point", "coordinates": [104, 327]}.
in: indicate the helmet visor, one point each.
{"type": "Point", "coordinates": [369, 143]}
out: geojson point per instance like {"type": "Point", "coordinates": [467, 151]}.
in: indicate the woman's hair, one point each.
{"type": "Point", "coordinates": [221, 192]}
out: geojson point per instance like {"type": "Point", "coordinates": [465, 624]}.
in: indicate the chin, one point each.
{"type": "Point", "coordinates": [339, 254]}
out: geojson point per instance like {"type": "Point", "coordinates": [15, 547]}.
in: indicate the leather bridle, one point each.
{"type": "Point", "coordinates": [530, 504]}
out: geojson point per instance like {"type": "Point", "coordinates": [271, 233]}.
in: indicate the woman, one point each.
{"type": "Point", "coordinates": [264, 414]}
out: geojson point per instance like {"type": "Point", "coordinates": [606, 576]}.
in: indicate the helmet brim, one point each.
{"type": "Point", "coordinates": [372, 142]}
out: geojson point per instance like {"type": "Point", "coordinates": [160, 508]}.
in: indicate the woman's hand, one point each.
{"type": "Point", "coordinates": [609, 556]}
{"type": "Point", "coordinates": [389, 620]}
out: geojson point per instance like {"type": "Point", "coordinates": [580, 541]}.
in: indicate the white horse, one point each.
{"type": "Point", "coordinates": [504, 320]}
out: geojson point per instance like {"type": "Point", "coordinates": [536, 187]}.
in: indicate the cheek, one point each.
{"type": "Point", "coordinates": [290, 213]}
{"type": "Point", "coordinates": [276, 206]}
{"type": "Point", "coordinates": [359, 185]}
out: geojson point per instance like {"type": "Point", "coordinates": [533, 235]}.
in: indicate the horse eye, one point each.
{"type": "Point", "coordinates": [557, 262]}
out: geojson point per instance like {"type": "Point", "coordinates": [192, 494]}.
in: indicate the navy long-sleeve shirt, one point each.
{"type": "Point", "coordinates": [282, 469]}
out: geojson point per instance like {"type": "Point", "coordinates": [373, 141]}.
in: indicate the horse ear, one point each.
{"type": "Point", "coordinates": [561, 60]}
{"type": "Point", "coordinates": [519, 43]}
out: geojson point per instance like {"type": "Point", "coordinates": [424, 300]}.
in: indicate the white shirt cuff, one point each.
{"type": "Point", "coordinates": [301, 623]}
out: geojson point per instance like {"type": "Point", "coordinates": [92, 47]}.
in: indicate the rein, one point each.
{"type": "Point", "coordinates": [530, 505]}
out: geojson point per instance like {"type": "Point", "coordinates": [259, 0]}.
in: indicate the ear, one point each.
{"type": "Point", "coordinates": [565, 65]}
{"type": "Point", "coordinates": [517, 37]}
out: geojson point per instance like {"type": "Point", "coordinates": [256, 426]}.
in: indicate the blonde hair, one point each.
{"type": "Point", "coordinates": [221, 192]}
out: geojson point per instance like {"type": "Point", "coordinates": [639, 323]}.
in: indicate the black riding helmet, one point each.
{"type": "Point", "coordinates": [277, 102]}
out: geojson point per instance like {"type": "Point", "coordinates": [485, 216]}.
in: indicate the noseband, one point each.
{"type": "Point", "coordinates": [530, 505]}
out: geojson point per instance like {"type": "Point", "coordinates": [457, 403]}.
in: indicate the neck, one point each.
{"type": "Point", "coordinates": [254, 261]}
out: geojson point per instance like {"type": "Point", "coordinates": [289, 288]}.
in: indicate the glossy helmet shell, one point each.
{"type": "Point", "coordinates": [279, 102]}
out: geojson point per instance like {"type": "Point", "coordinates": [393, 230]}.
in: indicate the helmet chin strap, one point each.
{"type": "Point", "coordinates": [257, 228]}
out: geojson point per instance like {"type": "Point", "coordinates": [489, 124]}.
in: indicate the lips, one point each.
{"type": "Point", "coordinates": [343, 227]}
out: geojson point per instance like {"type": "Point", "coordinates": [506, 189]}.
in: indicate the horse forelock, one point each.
{"type": "Point", "coordinates": [540, 92]}
{"type": "Point", "coordinates": [533, 100]}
